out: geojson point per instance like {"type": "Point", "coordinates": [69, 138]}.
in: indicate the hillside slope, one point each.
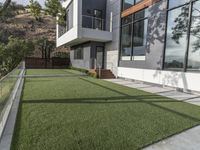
{"type": "Point", "coordinates": [25, 26]}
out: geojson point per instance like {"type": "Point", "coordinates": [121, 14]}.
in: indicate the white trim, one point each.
{"type": "Point", "coordinates": [66, 3]}
{"type": "Point", "coordinates": [141, 58]}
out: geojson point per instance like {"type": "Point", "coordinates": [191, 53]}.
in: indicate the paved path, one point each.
{"type": "Point", "coordinates": [167, 92]}
{"type": "Point", "coordinates": [188, 140]}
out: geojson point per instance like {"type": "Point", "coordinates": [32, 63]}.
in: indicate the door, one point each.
{"type": "Point", "coordinates": [100, 57]}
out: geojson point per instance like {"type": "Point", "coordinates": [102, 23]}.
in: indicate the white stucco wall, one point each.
{"type": "Point", "coordinates": [183, 80]}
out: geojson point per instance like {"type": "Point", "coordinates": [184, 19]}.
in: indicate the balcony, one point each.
{"type": "Point", "coordinates": [85, 28]}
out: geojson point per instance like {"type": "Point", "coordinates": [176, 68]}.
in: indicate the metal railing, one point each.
{"type": "Point", "coordinates": [7, 94]}
{"type": "Point", "coordinates": [93, 22]}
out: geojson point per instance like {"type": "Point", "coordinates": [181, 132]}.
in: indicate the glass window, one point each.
{"type": "Point", "coordinates": [127, 4]}
{"type": "Point", "coordinates": [140, 14]}
{"type": "Point", "coordinates": [137, 1]}
{"type": "Point", "coordinates": [194, 47]}
{"type": "Point", "coordinates": [139, 38]}
{"type": "Point", "coordinates": [78, 53]}
{"type": "Point", "coordinates": [69, 17]}
{"type": "Point", "coordinates": [127, 20]}
{"type": "Point", "coordinates": [97, 13]}
{"type": "Point", "coordinates": [98, 21]}
{"type": "Point", "coordinates": [133, 36]}
{"type": "Point", "coordinates": [175, 3]}
{"type": "Point", "coordinates": [126, 42]}
{"type": "Point", "coordinates": [176, 42]}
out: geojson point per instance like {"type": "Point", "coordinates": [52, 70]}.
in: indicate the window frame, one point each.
{"type": "Point", "coordinates": [185, 63]}
{"type": "Point", "coordinates": [134, 3]}
{"type": "Point", "coordinates": [133, 22]}
{"type": "Point", "coordinates": [76, 53]}
{"type": "Point", "coordinates": [98, 19]}
{"type": "Point", "coordinates": [131, 41]}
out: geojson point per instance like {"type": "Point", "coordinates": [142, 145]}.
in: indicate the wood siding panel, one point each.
{"type": "Point", "coordinates": [137, 7]}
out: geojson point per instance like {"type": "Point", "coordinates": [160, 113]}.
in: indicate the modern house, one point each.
{"type": "Point", "coordinates": [154, 41]}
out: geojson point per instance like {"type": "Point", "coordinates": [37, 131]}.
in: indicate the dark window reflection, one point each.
{"type": "Point", "coordinates": [127, 20]}
{"type": "Point", "coordinates": [194, 49]}
{"type": "Point", "coordinates": [78, 53]}
{"type": "Point", "coordinates": [137, 1]}
{"type": "Point", "coordinates": [127, 4]}
{"type": "Point", "coordinates": [98, 20]}
{"type": "Point", "coordinates": [176, 42]}
{"type": "Point", "coordinates": [126, 42]}
{"type": "Point", "coordinates": [140, 14]}
{"type": "Point", "coordinates": [139, 38]}
{"type": "Point", "coordinates": [133, 36]}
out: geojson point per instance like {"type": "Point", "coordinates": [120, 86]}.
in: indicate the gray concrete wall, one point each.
{"type": "Point", "coordinates": [113, 25]}
{"type": "Point", "coordinates": [84, 63]}
{"type": "Point", "coordinates": [155, 39]}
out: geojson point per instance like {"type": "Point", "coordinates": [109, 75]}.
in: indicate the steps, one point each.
{"type": "Point", "coordinates": [105, 74]}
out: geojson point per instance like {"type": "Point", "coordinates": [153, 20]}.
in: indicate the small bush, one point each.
{"type": "Point", "coordinates": [92, 74]}
{"type": "Point", "coordinates": [89, 73]}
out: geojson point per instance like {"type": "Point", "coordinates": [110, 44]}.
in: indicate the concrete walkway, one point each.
{"type": "Point", "coordinates": [167, 92]}
{"type": "Point", "coordinates": [188, 140]}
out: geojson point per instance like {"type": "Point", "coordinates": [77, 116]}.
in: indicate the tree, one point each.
{"type": "Point", "coordinates": [55, 9]}
{"type": "Point", "coordinates": [35, 9]}
{"type": "Point", "coordinates": [10, 11]}
{"type": "Point", "coordinates": [46, 47]}
{"type": "Point", "coordinates": [12, 53]}
{"type": "Point", "coordinates": [5, 5]}
{"type": "Point", "coordinates": [181, 26]}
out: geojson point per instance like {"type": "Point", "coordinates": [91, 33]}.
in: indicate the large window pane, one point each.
{"type": "Point", "coordinates": [140, 14]}
{"type": "Point", "coordinates": [139, 38]}
{"type": "Point", "coordinates": [175, 3]}
{"type": "Point", "coordinates": [127, 20]}
{"type": "Point", "coordinates": [78, 53]}
{"type": "Point", "coordinates": [69, 17]}
{"type": "Point", "coordinates": [176, 42]}
{"type": "Point", "coordinates": [137, 1]}
{"type": "Point", "coordinates": [194, 49]}
{"type": "Point", "coordinates": [126, 46]}
{"type": "Point", "coordinates": [127, 4]}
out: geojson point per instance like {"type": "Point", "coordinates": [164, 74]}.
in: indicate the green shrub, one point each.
{"type": "Point", "coordinates": [92, 74]}
{"type": "Point", "coordinates": [13, 52]}
{"type": "Point", "coordinates": [89, 73]}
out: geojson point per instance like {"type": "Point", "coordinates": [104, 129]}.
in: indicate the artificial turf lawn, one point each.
{"type": "Point", "coordinates": [83, 113]}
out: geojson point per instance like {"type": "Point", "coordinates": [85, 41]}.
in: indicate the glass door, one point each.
{"type": "Point", "coordinates": [99, 57]}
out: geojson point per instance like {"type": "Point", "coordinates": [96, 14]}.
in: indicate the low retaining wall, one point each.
{"type": "Point", "coordinates": [9, 113]}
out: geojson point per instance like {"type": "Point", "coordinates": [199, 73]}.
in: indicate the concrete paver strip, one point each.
{"type": "Point", "coordinates": [188, 140]}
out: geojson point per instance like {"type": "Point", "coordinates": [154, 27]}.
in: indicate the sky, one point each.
{"type": "Point", "coordinates": [25, 2]}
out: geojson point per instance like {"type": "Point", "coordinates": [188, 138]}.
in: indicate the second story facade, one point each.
{"type": "Point", "coordinates": [85, 19]}
{"type": "Point", "coordinates": [155, 41]}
